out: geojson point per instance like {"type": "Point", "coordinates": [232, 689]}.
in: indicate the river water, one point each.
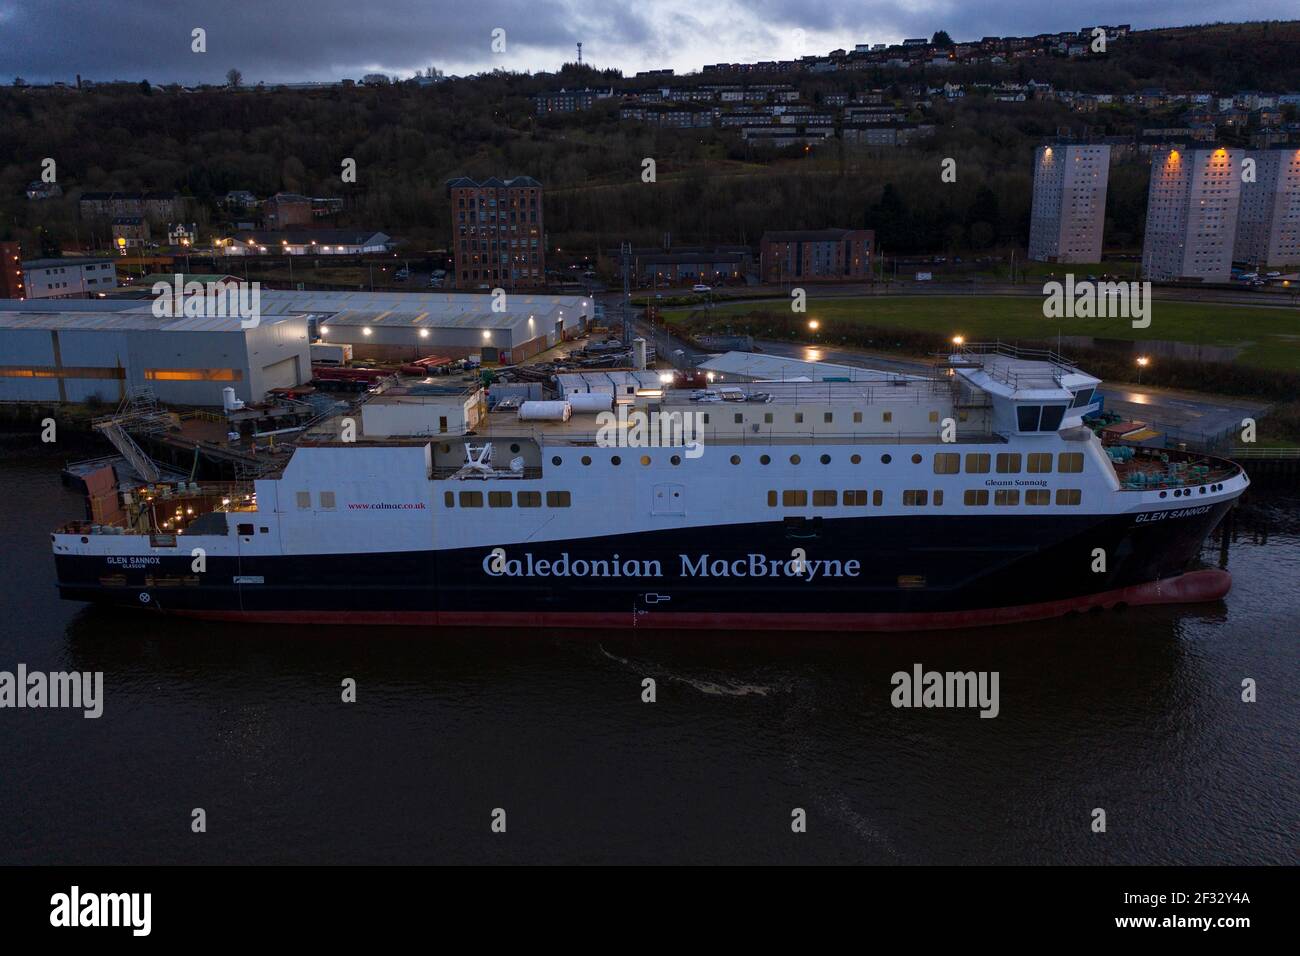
{"type": "Point", "coordinates": [1138, 713]}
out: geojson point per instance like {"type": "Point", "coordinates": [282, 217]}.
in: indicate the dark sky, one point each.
{"type": "Point", "coordinates": [282, 41]}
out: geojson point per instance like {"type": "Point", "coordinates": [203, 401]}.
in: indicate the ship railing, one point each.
{"type": "Point", "coordinates": [963, 436]}
{"type": "Point", "coordinates": [1058, 364]}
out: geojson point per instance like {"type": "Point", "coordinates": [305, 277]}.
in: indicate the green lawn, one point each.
{"type": "Point", "coordinates": [1270, 338]}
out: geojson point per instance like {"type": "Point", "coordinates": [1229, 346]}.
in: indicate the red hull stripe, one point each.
{"type": "Point", "coordinates": [1195, 586]}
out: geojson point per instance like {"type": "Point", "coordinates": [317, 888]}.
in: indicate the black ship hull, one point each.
{"type": "Point", "coordinates": [883, 573]}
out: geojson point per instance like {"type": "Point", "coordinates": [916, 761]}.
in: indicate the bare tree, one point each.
{"type": "Point", "coordinates": [234, 78]}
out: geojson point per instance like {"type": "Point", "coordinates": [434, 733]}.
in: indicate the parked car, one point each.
{"type": "Point", "coordinates": [700, 287]}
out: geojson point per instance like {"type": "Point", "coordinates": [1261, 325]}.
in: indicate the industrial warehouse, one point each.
{"type": "Point", "coordinates": [100, 349]}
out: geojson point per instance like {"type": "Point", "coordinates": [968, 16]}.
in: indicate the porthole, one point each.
{"type": "Point", "coordinates": [795, 459]}
{"type": "Point", "coordinates": [556, 460]}
{"type": "Point", "coordinates": [675, 460]}
{"type": "Point", "coordinates": [764, 460]}
{"type": "Point", "coordinates": [735, 459]}
{"type": "Point", "coordinates": [586, 459]}
{"type": "Point", "coordinates": [645, 460]}
{"type": "Point", "coordinates": [826, 459]}
{"type": "Point", "coordinates": [1202, 489]}
{"type": "Point", "coordinates": [514, 447]}
{"type": "Point", "coordinates": [446, 449]}
{"type": "Point", "coordinates": [886, 459]}
{"type": "Point", "coordinates": [855, 459]}
{"type": "Point", "coordinates": [916, 459]}
{"type": "Point", "coordinates": [615, 460]}
{"type": "Point", "coordinates": [1164, 494]}
{"type": "Point", "coordinates": [85, 541]}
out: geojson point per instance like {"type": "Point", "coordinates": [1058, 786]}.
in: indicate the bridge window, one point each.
{"type": "Point", "coordinates": [1027, 417]}
{"type": "Point", "coordinates": [947, 463]}
{"type": "Point", "coordinates": [1052, 415]}
{"type": "Point", "coordinates": [1069, 462]}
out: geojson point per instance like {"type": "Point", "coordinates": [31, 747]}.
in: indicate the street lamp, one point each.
{"type": "Point", "coordinates": [813, 325]}
{"type": "Point", "coordinates": [958, 340]}
{"type": "Point", "coordinates": [1142, 362]}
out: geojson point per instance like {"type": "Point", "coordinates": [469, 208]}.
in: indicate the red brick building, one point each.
{"type": "Point", "coordinates": [11, 271]}
{"type": "Point", "coordinates": [816, 255]}
{"type": "Point", "coordinates": [497, 235]}
{"type": "Point", "coordinates": [286, 209]}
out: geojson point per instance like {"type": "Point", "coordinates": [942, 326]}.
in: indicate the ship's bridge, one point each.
{"type": "Point", "coordinates": [1032, 390]}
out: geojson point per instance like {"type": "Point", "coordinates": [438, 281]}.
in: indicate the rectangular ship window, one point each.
{"type": "Point", "coordinates": [1006, 496]}
{"type": "Point", "coordinates": [740, 419]}
{"type": "Point", "coordinates": [1008, 463]}
{"type": "Point", "coordinates": [977, 463]}
{"type": "Point", "coordinates": [471, 499]}
{"type": "Point", "coordinates": [304, 499]}
{"type": "Point", "coordinates": [794, 499]}
{"type": "Point", "coordinates": [327, 500]}
{"type": "Point", "coordinates": [947, 463]}
{"type": "Point", "coordinates": [828, 417]}
{"type": "Point", "coordinates": [449, 499]}
{"type": "Point", "coordinates": [558, 499]}
{"type": "Point", "coordinates": [877, 498]}
{"type": "Point", "coordinates": [1068, 496]}
{"type": "Point", "coordinates": [771, 499]}
{"type": "Point", "coordinates": [824, 499]}
{"type": "Point", "coordinates": [499, 499]}
{"type": "Point", "coordinates": [798, 418]}
{"type": "Point", "coordinates": [914, 498]}
{"type": "Point", "coordinates": [1040, 463]}
{"type": "Point", "coordinates": [530, 499]}
{"type": "Point", "coordinates": [938, 496]}
{"type": "Point", "coordinates": [1038, 496]}
{"type": "Point", "coordinates": [1068, 462]}
{"type": "Point", "coordinates": [857, 418]}
{"type": "Point", "coordinates": [886, 416]}
{"type": "Point", "coordinates": [934, 416]}
{"type": "Point", "coordinates": [1027, 417]}
{"type": "Point", "coordinates": [767, 418]}
{"type": "Point", "coordinates": [855, 499]}
{"type": "Point", "coordinates": [976, 496]}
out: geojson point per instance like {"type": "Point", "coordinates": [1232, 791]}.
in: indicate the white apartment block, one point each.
{"type": "Point", "coordinates": [68, 278]}
{"type": "Point", "coordinates": [1069, 210]}
{"type": "Point", "coordinates": [1192, 214]}
{"type": "Point", "coordinates": [1268, 223]}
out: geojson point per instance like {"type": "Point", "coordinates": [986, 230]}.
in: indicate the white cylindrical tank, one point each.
{"type": "Point", "coordinates": [591, 402]}
{"type": "Point", "coordinates": [228, 400]}
{"type": "Point", "coordinates": [638, 354]}
{"type": "Point", "coordinates": [545, 411]}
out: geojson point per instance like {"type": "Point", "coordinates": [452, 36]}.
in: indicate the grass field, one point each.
{"type": "Point", "coordinates": [1269, 338]}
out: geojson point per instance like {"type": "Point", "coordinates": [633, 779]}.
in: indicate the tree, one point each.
{"type": "Point", "coordinates": [941, 40]}
{"type": "Point", "coordinates": [234, 79]}
{"type": "Point", "coordinates": [145, 88]}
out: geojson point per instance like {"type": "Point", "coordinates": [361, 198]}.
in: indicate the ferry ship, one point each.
{"type": "Point", "coordinates": [975, 495]}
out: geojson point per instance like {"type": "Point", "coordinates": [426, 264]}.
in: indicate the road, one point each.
{"type": "Point", "coordinates": [1182, 415]}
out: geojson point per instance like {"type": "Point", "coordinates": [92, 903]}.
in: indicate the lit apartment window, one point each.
{"type": "Point", "coordinates": [947, 463]}
{"type": "Point", "coordinates": [978, 496]}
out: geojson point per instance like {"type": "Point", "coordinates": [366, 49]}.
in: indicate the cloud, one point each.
{"type": "Point", "coordinates": [330, 39]}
